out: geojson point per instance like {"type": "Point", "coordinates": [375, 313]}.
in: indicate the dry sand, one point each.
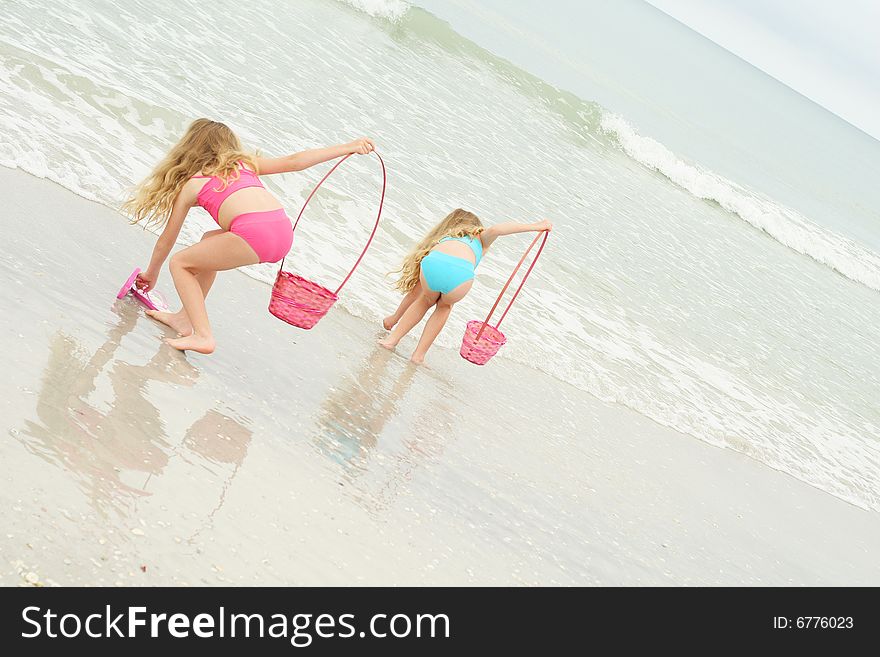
{"type": "Point", "coordinates": [291, 457]}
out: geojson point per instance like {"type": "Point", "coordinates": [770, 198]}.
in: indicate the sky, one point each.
{"type": "Point", "coordinates": [825, 49]}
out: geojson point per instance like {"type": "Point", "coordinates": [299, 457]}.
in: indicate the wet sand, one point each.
{"type": "Point", "coordinates": [295, 457]}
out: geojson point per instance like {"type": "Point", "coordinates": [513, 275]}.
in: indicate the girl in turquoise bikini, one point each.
{"type": "Point", "coordinates": [439, 272]}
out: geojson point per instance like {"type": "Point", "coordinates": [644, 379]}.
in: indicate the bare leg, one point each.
{"type": "Point", "coordinates": [437, 320]}
{"type": "Point", "coordinates": [412, 316]}
{"type": "Point", "coordinates": [179, 321]}
{"type": "Point", "coordinates": [217, 253]}
{"type": "Point", "coordinates": [391, 321]}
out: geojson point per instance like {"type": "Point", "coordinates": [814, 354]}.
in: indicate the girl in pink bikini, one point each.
{"type": "Point", "coordinates": [208, 167]}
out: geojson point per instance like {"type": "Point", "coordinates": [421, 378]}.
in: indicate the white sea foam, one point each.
{"type": "Point", "coordinates": [391, 10]}
{"type": "Point", "coordinates": [782, 224]}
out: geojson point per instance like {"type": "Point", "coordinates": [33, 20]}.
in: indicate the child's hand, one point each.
{"type": "Point", "coordinates": [146, 281]}
{"type": "Point", "coordinates": [362, 146]}
{"type": "Point", "coordinates": [542, 225]}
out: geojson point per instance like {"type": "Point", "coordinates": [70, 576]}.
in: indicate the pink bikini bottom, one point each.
{"type": "Point", "coordinates": [269, 233]}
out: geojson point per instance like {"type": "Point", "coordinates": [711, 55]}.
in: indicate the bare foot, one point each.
{"type": "Point", "coordinates": [416, 359]}
{"type": "Point", "coordinates": [389, 322]}
{"type": "Point", "coordinates": [387, 343]}
{"type": "Point", "coordinates": [201, 344]}
{"type": "Point", "coordinates": [177, 321]}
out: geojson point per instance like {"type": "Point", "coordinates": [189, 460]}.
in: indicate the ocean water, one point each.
{"type": "Point", "coordinates": [716, 259]}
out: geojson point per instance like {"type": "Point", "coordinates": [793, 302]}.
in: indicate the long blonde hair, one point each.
{"type": "Point", "coordinates": [458, 223]}
{"type": "Point", "coordinates": [208, 147]}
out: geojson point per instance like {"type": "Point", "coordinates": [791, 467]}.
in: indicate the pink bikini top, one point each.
{"type": "Point", "coordinates": [212, 195]}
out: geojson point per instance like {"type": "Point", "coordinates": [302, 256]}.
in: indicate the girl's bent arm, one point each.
{"type": "Point", "coordinates": [509, 228]}
{"type": "Point", "coordinates": [306, 159]}
{"type": "Point", "coordinates": [166, 241]}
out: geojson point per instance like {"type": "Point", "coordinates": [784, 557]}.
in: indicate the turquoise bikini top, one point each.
{"type": "Point", "coordinates": [473, 242]}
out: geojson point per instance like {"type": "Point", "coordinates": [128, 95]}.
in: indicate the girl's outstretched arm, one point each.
{"type": "Point", "coordinates": [509, 228]}
{"type": "Point", "coordinates": [306, 159]}
{"type": "Point", "coordinates": [146, 280]}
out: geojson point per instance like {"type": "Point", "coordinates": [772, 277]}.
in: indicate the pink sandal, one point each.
{"type": "Point", "coordinates": [152, 300]}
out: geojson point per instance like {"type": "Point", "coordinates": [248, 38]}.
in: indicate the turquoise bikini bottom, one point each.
{"type": "Point", "coordinates": [443, 273]}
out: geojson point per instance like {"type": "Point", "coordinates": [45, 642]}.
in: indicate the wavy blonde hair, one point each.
{"type": "Point", "coordinates": [208, 147]}
{"type": "Point", "coordinates": [458, 223]}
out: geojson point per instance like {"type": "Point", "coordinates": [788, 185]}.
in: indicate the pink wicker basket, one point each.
{"type": "Point", "coordinates": [481, 341]}
{"type": "Point", "coordinates": [299, 301]}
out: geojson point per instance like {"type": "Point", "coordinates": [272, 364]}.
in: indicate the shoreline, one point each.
{"type": "Point", "coordinates": [315, 457]}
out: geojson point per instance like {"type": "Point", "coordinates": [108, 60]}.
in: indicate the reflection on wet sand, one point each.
{"type": "Point", "coordinates": [108, 437]}
{"type": "Point", "coordinates": [97, 446]}
{"type": "Point", "coordinates": [221, 441]}
{"type": "Point", "coordinates": [355, 415]}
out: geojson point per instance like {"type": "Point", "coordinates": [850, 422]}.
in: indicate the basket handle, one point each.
{"type": "Point", "coordinates": [546, 234]}
{"type": "Point", "coordinates": [375, 225]}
